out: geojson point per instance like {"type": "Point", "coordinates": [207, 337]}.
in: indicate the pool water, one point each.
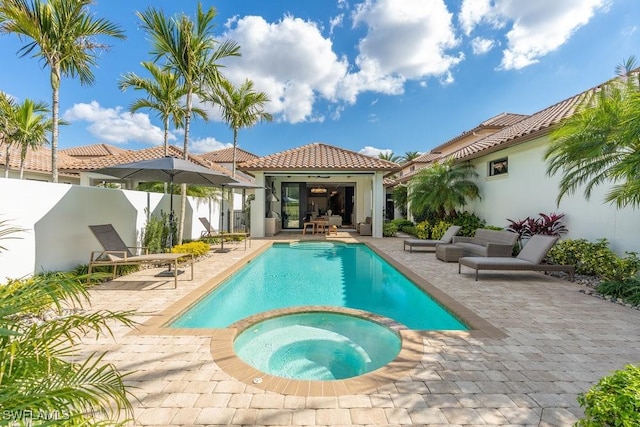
{"type": "Point", "coordinates": [318, 274]}
{"type": "Point", "coordinates": [317, 346]}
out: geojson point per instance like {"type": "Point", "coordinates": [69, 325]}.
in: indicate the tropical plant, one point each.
{"type": "Point", "coordinates": [389, 156]}
{"type": "Point", "coordinates": [242, 107]}
{"type": "Point", "coordinates": [627, 290]}
{"type": "Point", "coordinates": [7, 127]}
{"type": "Point", "coordinates": [443, 187]}
{"type": "Point", "coordinates": [469, 222]}
{"type": "Point", "coordinates": [164, 95]}
{"type": "Point", "coordinates": [31, 128]}
{"type": "Point", "coordinates": [410, 155]}
{"type": "Point", "coordinates": [599, 143]}
{"type": "Point", "coordinates": [399, 196]}
{"type": "Point", "coordinates": [550, 225]}
{"type": "Point", "coordinates": [389, 229]}
{"type": "Point", "coordinates": [595, 259]}
{"type": "Point", "coordinates": [196, 248]}
{"type": "Point", "coordinates": [190, 51]}
{"type": "Point", "coordinates": [39, 370]}
{"type": "Point", "coordinates": [156, 232]}
{"type": "Point", "coordinates": [62, 35]}
{"type": "Point", "coordinates": [613, 401]}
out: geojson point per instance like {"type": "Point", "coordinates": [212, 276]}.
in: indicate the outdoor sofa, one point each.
{"type": "Point", "coordinates": [487, 243]}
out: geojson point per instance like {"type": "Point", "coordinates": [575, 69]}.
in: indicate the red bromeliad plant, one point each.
{"type": "Point", "coordinates": [549, 225]}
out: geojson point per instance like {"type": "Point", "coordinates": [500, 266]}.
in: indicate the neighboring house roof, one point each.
{"type": "Point", "coordinates": [529, 128]}
{"type": "Point", "coordinates": [95, 150]}
{"type": "Point", "coordinates": [225, 155]}
{"type": "Point", "coordinates": [498, 122]}
{"type": "Point", "coordinates": [87, 165]}
{"type": "Point", "coordinates": [38, 160]}
{"type": "Point", "coordinates": [318, 156]}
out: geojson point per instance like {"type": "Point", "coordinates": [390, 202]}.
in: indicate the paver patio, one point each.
{"type": "Point", "coordinates": [556, 343]}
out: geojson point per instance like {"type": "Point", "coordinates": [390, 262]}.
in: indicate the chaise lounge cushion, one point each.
{"type": "Point", "coordinates": [487, 243]}
{"type": "Point", "coordinates": [431, 243]}
{"type": "Point", "coordinates": [529, 259]}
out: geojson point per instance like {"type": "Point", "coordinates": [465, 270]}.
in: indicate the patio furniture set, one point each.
{"type": "Point", "coordinates": [492, 250]}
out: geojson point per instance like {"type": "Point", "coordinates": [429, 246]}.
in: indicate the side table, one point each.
{"type": "Point", "coordinates": [448, 253]}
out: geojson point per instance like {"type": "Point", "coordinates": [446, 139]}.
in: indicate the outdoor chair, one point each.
{"type": "Point", "coordinates": [431, 243]}
{"type": "Point", "coordinates": [530, 258]}
{"type": "Point", "coordinates": [209, 231]}
{"type": "Point", "coordinates": [116, 253]}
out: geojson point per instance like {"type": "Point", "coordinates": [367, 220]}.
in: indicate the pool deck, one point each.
{"type": "Point", "coordinates": [541, 342]}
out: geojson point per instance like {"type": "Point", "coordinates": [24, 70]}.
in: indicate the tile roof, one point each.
{"type": "Point", "coordinates": [86, 165]}
{"type": "Point", "coordinates": [498, 122]}
{"type": "Point", "coordinates": [225, 155]}
{"type": "Point", "coordinates": [95, 150]}
{"type": "Point", "coordinates": [318, 156]}
{"type": "Point", "coordinates": [523, 130]}
{"type": "Point", "coordinates": [38, 160]}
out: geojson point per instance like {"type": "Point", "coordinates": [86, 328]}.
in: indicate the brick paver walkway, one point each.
{"type": "Point", "coordinates": [557, 342]}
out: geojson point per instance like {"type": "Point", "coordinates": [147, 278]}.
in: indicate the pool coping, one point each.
{"type": "Point", "coordinates": [410, 355]}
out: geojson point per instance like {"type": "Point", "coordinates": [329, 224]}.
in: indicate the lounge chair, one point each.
{"type": "Point", "coordinates": [116, 253]}
{"type": "Point", "coordinates": [431, 243]}
{"type": "Point", "coordinates": [209, 231]}
{"type": "Point", "coordinates": [530, 258]}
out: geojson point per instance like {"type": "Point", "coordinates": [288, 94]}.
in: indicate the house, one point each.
{"type": "Point", "coordinates": [314, 179]}
{"type": "Point", "coordinates": [514, 184]}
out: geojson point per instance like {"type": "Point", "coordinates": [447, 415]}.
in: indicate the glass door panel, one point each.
{"type": "Point", "coordinates": [291, 205]}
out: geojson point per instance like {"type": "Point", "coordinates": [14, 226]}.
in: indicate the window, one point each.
{"type": "Point", "coordinates": [498, 167]}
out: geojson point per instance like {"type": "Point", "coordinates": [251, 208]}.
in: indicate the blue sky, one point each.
{"type": "Point", "coordinates": [369, 76]}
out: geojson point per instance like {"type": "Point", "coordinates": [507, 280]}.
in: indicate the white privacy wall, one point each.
{"type": "Point", "coordinates": [527, 190]}
{"type": "Point", "coordinates": [55, 220]}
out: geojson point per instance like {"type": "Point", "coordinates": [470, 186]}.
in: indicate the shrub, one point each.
{"type": "Point", "coordinates": [439, 229]}
{"type": "Point", "coordinates": [595, 259]}
{"type": "Point", "coordinates": [389, 229]}
{"type": "Point", "coordinates": [469, 223]}
{"type": "Point", "coordinates": [628, 290]}
{"type": "Point", "coordinates": [550, 225]}
{"type": "Point", "coordinates": [156, 233]}
{"type": "Point", "coordinates": [613, 401]}
{"type": "Point", "coordinates": [423, 230]}
{"type": "Point", "coordinates": [197, 248]}
{"type": "Point", "coordinates": [401, 223]}
{"type": "Point", "coordinates": [410, 229]}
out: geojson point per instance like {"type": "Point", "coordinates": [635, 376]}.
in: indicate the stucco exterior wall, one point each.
{"type": "Point", "coordinates": [55, 219]}
{"type": "Point", "coordinates": [527, 190]}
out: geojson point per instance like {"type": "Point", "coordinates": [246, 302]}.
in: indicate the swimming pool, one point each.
{"type": "Point", "coordinates": [318, 274]}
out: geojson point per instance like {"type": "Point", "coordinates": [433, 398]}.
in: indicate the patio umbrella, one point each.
{"type": "Point", "coordinates": [171, 170]}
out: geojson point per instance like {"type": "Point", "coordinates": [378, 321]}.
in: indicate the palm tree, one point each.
{"type": "Point", "coordinates": [7, 127]}
{"type": "Point", "coordinates": [189, 50]}
{"type": "Point", "coordinates": [62, 35]}
{"type": "Point", "coordinates": [39, 369]}
{"type": "Point", "coordinates": [410, 155]}
{"type": "Point", "coordinates": [32, 127]}
{"type": "Point", "coordinates": [389, 156]}
{"type": "Point", "coordinates": [164, 95]}
{"type": "Point", "coordinates": [241, 107]}
{"type": "Point", "coordinates": [443, 187]}
{"type": "Point", "coordinates": [600, 142]}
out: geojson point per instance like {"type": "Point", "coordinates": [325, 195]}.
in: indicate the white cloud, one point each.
{"type": "Point", "coordinates": [406, 39]}
{"type": "Point", "coordinates": [289, 60]}
{"type": "Point", "coordinates": [204, 145]}
{"type": "Point", "coordinates": [115, 125]}
{"type": "Point", "coordinates": [481, 46]}
{"type": "Point", "coordinates": [373, 151]}
{"type": "Point", "coordinates": [536, 27]}
{"type": "Point", "coordinates": [335, 22]}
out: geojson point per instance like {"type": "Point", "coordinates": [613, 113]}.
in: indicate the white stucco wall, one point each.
{"type": "Point", "coordinates": [55, 219]}
{"type": "Point", "coordinates": [527, 191]}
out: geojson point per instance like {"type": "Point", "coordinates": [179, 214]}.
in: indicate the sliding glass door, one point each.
{"type": "Point", "coordinates": [293, 201]}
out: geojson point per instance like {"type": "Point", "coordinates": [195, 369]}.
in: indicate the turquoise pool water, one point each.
{"type": "Point", "coordinates": [318, 274]}
{"type": "Point", "coordinates": [317, 346]}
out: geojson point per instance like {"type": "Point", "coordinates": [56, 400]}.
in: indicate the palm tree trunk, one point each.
{"type": "Point", "coordinates": [55, 105]}
{"type": "Point", "coordinates": [235, 144]}
{"type": "Point", "coordinates": [7, 159]}
{"type": "Point", "coordinates": [23, 156]}
{"type": "Point", "coordinates": [183, 187]}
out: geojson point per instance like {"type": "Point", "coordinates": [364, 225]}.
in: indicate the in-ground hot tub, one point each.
{"type": "Point", "coordinates": [317, 345]}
